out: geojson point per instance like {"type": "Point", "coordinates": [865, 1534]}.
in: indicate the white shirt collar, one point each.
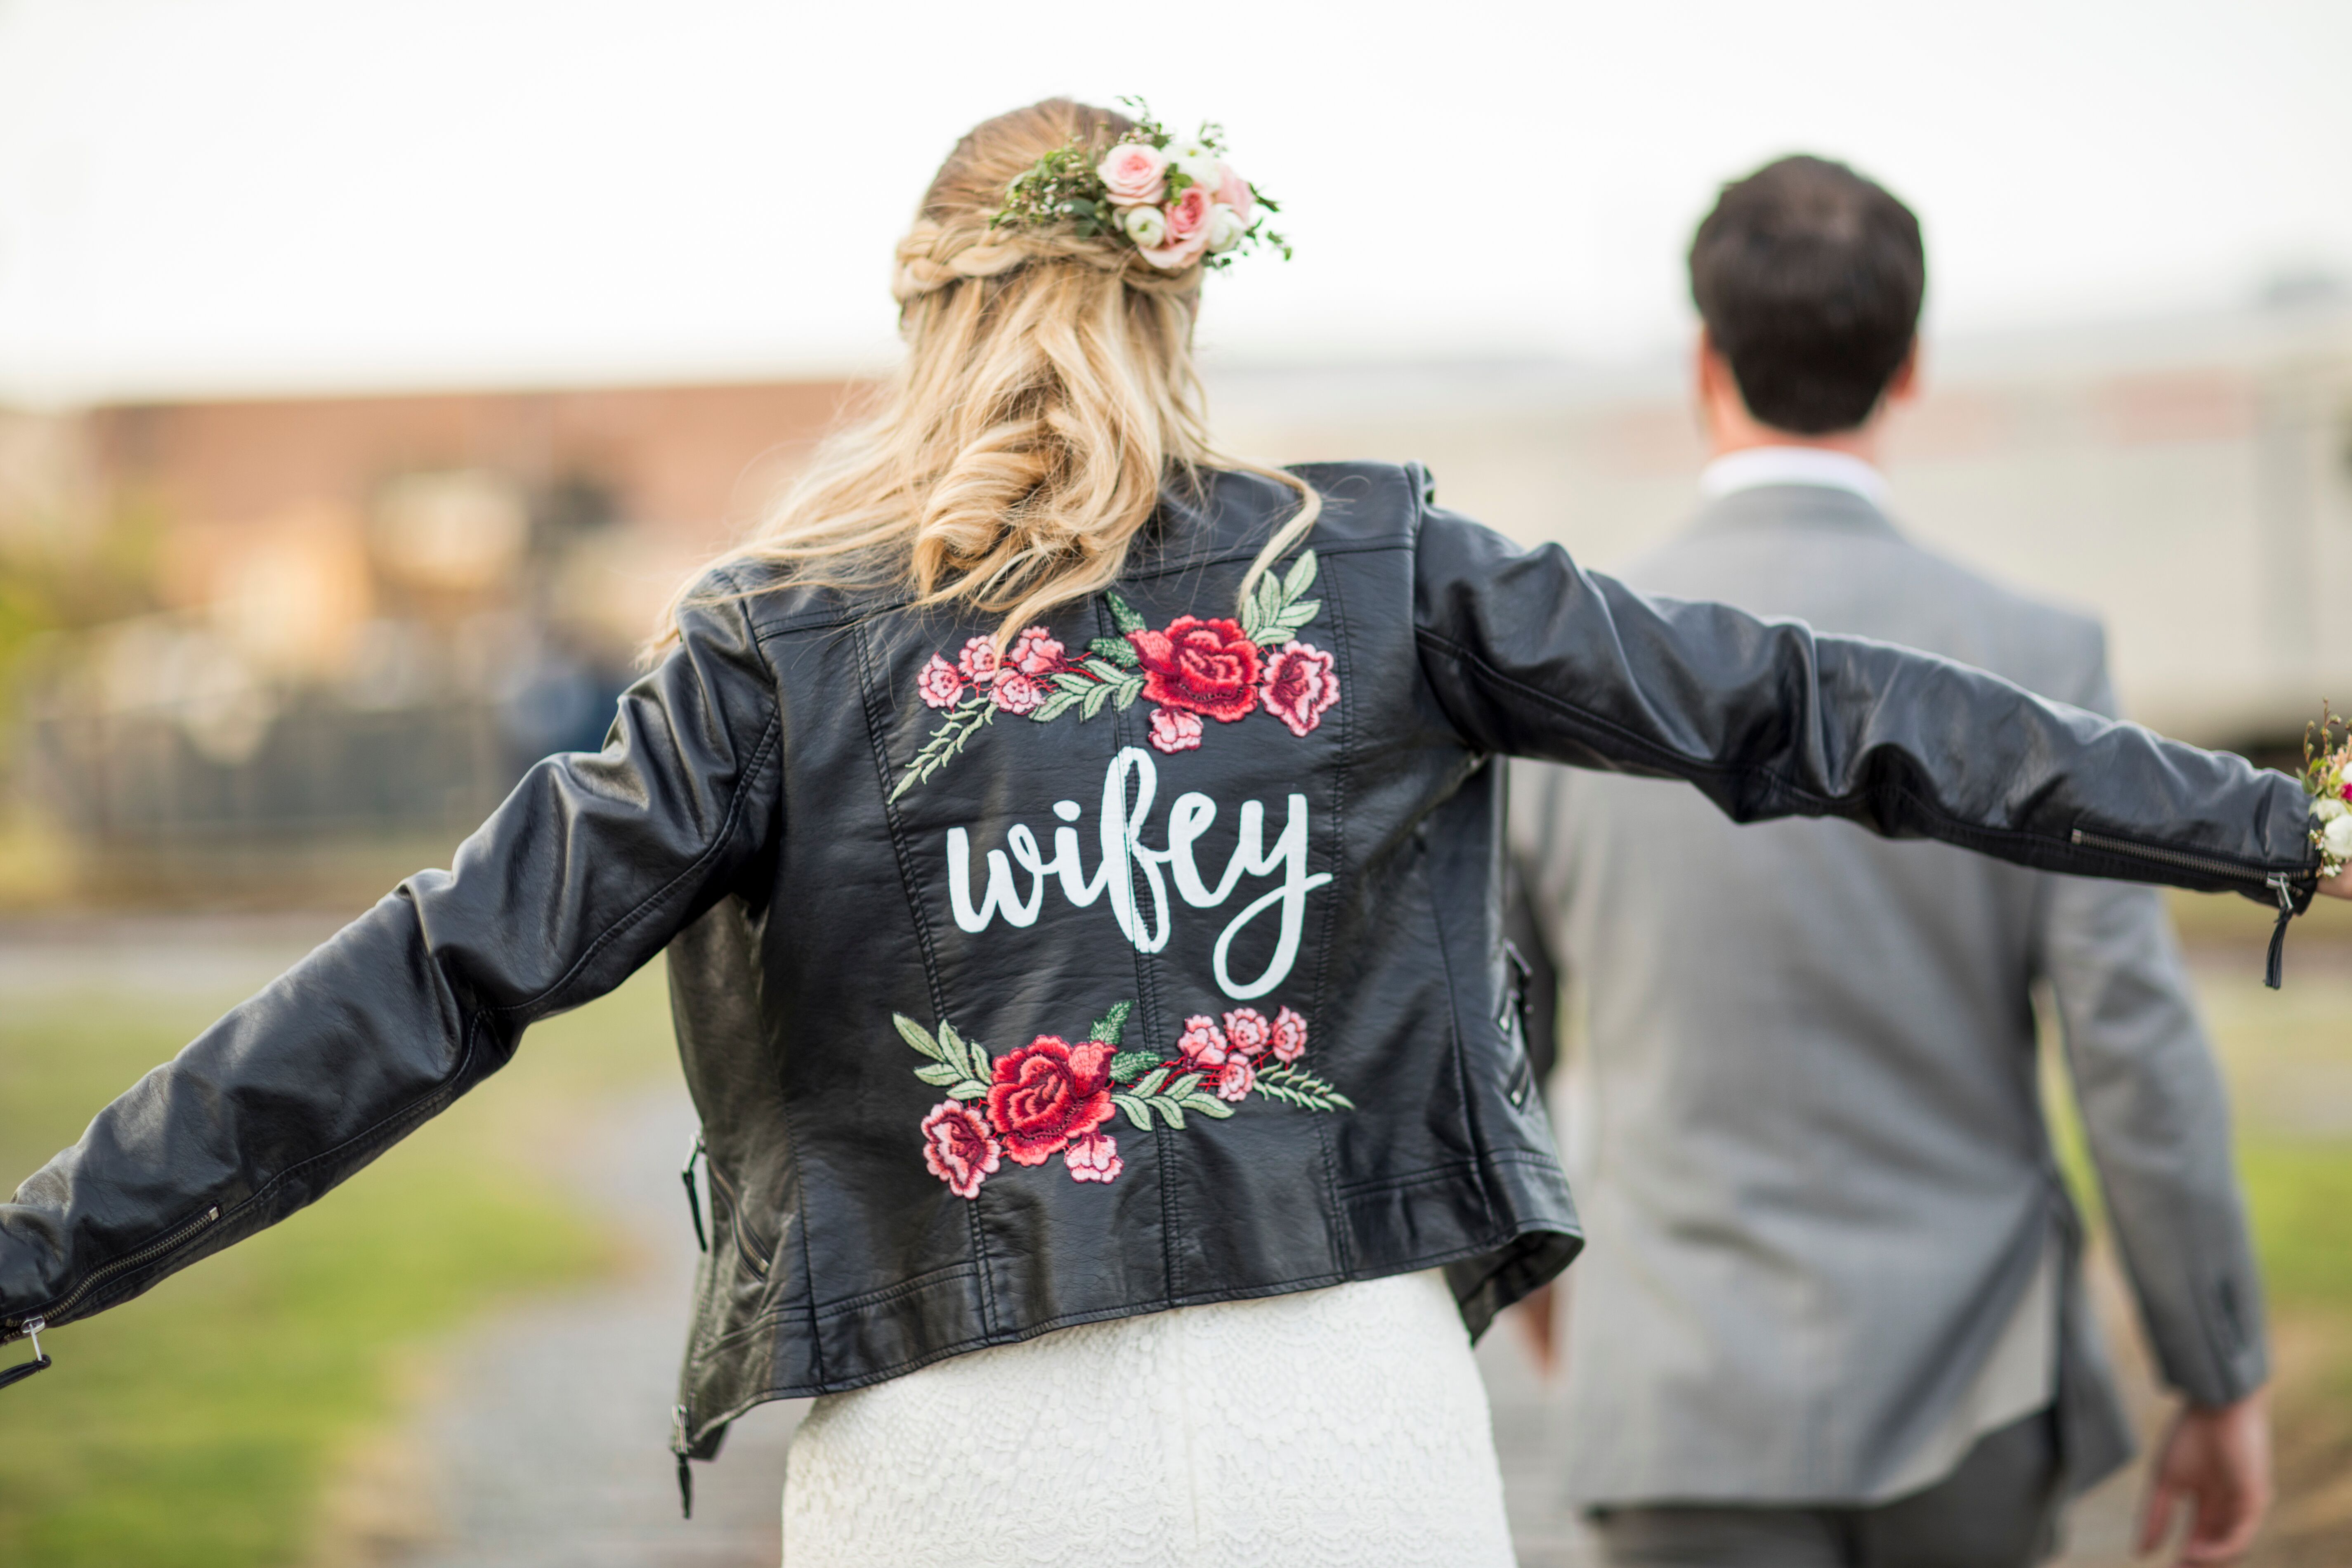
{"type": "Point", "coordinates": [1757, 466]}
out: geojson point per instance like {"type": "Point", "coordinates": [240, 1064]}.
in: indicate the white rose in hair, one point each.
{"type": "Point", "coordinates": [2337, 837]}
{"type": "Point", "coordinates": [1226, 228]}
{"type": "Point", "coordinates": [1145, 225]}
{"type": "Point", "coordinates": [1133, 171]}
{"type": "Point", "coordinates": [1206, 169]}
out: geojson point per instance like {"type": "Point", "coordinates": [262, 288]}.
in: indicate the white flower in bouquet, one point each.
{"type": "Point", "coordinates": [1145, 225]}
{"type": "Point", "coordinates": [1200, 160]}
{"type": "Point", "coordinates": [2335, 838]}
{"type": "Point", "coordinates": [1226, 228]}
{"type": "Point", "coordinates": [2328, 808]}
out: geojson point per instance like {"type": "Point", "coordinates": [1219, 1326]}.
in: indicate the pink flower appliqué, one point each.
{"type": "Point", "coordinates": [981, 661]}
{"type": "Point", "coordinates": [1235, 1079]}
{"type": "Point", "coordinates": [1017, 693]}
{"type": "Point", "coordinates": [1036, 653]}
{"type": "Point", "coordinates": [1202, 1043]}
{"type": "Point", "coordinates": [941, 684]}
{"type": "Point", "coordinates": [1248, 1034]}
{"type": "Point", "coordinates": [1299, 685]}
{"type": "Point", "coordinates": [1094, 1158]}
{"type": "Point", "coordinates": [1289, 1037]}
{"type": "Point", "coordinates": [958, 1148]}
{"type": "Point", "coordinates": [1173, 730]}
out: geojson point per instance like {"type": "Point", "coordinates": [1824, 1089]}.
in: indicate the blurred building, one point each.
{"type": "Point", "coordinates": [354, 618]}
{"type": "Point", "coordinates": [2191, 480]}
{"type": "Point", "coordinates": [239, 625]}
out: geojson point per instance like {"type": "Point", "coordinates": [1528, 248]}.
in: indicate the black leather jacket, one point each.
{"type": "Point", "coordinates": [1159, 963]}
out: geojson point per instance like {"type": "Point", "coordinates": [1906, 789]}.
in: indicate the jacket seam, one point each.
{"type": "Point", "coordinates": [1343, 1242]}
{"type": "Point", "coordinates": [912, 1286]}
{"type": "Point", "coordinates": [875, 694]}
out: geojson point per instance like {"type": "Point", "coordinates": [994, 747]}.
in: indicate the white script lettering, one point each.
{"type": "Point", "coordinates": [1130, 870]}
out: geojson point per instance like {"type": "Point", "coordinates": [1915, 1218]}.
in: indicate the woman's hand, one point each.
{"type": "Point", "coordinates": [2339, 886]}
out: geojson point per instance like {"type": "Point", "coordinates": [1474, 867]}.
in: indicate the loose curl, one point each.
{"type": "Point", "coordinates": [1047, 395]}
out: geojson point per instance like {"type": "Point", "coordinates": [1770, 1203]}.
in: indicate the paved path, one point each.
{"type": "Point", "coordinates": [549, 1447]}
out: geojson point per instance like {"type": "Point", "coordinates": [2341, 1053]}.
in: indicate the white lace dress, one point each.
{"type": "Point", "coordinates": [1338, 1426]}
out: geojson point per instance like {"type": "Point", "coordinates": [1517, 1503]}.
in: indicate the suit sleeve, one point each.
{"type": "Point", "coordinates": [2157, 1117]}
{"type": "Point", "coordinates": [1527, 654]}
{"type": "Point", "coordinates": [585, 871]}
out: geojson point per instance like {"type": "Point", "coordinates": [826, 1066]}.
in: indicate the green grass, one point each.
{"type": "Point", "coordinates": [195, 1427]}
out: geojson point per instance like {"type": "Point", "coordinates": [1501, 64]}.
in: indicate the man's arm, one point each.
{"type": "Point", "coordinates": [2156, 1119]}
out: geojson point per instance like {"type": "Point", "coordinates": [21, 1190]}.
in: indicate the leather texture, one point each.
{"type": "Point", "coordinates": [746, 814]}
{"type": "Point", "coordinates": [1748, 1329]}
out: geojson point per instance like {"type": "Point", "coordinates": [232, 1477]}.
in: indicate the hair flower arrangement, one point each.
{"type": "Point", "coordinates": [1175, 200]}
{"type": "Point", "coordinates": [2327, 780]}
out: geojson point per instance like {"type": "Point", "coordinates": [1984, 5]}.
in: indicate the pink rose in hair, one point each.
{"type": "Point", "coordinates": [1134, 173]}
{"type": "Point", "coordinates": [1188, 230]}
{"type": "Point", "coordinates": [1202, 1044]}
{"type": "Point", "coordinates": [1247, 1032]}
{"type": "Point", "coordinates": [939, 684]}
{"type": "Point", "coordinates": [1289, 1037]}
{"type": "Point", "coordinates": [1036, 652]}
{"type": "Point", "coordinates": [980, 662]}
{"type": "Point", "coordinates": [1094, 1158]}
{"type": "Point", "coordinates": [1299, 685]}
{"type": "Point", "coordinates": [1188, 215]}
{"type": "Point", "coordinates": [1235, 1079]}
{"type": "Point", "coordinates": [1173, 730]}
{"type": "Point", "coordinates": [1017, 693]}
{"type": "Point", "coordinates": [1235, 192]}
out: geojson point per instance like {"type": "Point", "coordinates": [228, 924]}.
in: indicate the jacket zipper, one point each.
{"type": "Point", "coordinates": [101, 1274]}
{"type": "Point", "coordinates": [2280, 884]}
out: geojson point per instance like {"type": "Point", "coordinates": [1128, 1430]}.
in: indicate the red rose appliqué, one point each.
{"type": "Point", "coordinates": [1299, 685]}
{"type": "Point", "coordinates": [1047, 1094]}
{"type": "Point", "coordinates": [1206, 666]}
{"type": "Point", "coordinates": [958, 1148]}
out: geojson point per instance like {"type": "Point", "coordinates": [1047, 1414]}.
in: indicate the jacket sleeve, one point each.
{"type": "Point", "coordinates": [2157, 1117]}
{"type": "Point", "coordinates": [1528, 655]}
{"type": "Point", "coordinates": [585, 871]}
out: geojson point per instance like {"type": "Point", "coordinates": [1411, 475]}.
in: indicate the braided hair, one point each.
{"type": "Point", "coordinates": [1048, 394]}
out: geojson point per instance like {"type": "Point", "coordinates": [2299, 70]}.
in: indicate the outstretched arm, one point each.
{"type": "Point", "coordinates": [586, 870]}
{"type": "Point", "coordinates": [1530, 655]}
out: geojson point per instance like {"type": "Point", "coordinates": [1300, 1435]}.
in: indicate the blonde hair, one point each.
{"type": "Point", "coordinates": [1047, 394]}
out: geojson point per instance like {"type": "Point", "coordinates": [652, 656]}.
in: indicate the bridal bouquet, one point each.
{"type": "Point", "coordinates": [2327, 779]}
{"type": "Point", "coordinates": [1173, 199]}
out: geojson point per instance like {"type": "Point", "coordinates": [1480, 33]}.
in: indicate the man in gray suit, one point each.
{"type": "Point", "coordinates": [1831, 1311]}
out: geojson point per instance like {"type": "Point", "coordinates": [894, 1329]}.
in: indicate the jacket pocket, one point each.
{"type": "Point", "coordinates": [728, 1218]}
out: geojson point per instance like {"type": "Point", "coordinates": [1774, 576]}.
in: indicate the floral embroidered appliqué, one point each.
{"type": "Point", "coordinates": [1193, 669]}
{"type": "Point", "coordinates": [1050, 1097]}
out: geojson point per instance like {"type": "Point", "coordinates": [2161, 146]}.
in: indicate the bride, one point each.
{"type": "Point", "coordinates": [1075, 849]}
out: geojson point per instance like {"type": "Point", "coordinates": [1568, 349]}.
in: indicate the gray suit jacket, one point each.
{"type": "Point", "coordinates": [1806, 1136]}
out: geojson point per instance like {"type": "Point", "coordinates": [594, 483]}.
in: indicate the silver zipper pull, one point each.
{"type": "Point", "coordinates": [2275, 966]}
{"type": "Point", "coordinates": [31, 1329]}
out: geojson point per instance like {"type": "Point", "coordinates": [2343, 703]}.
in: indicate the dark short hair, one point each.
{"type": "Point", "coordinates": [1809, 278]}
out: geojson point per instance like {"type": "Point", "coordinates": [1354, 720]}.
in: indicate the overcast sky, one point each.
{"type": "Point", "coordinates": [286, 194]}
